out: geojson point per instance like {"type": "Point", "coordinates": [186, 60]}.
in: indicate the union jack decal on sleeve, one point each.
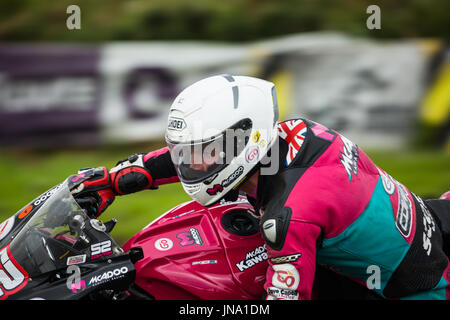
{"type": "Point", "coordinates": [294, 133]}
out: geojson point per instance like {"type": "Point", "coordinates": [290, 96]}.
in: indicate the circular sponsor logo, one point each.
{"type": "Point", "coordinates": [252, 154]}
{"type": "Point", "coordinates": [286, 276]}
{"type": "Point", "coordinates": [163, 244]}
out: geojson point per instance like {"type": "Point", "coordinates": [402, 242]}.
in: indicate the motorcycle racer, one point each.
{"type": "Point", "coordinates": [320, 197]}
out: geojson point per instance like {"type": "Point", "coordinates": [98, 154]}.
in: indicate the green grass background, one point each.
{"type": "Point", "coordinates": [25, 175]}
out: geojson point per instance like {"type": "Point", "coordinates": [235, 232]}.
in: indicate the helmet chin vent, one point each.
{"type": "Point", "coordinates": [240, 222]}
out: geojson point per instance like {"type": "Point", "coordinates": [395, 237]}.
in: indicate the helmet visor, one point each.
{"type": "Point", "coordinates": [197, 161]}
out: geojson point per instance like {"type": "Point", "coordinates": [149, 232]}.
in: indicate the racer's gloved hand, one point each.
{"type": "Point", "coordinates": [445, 196]}
{"type": "Point", "coordinates": [131, 175]}
{"type": "Point", "coordinates": [92, 189]}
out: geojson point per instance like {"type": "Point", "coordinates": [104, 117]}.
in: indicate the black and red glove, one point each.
{"type": "Point", "coordinates": [96, 188]}
{"type": "Point", "coordinates": [130, 175]}
{"type": "Point", "coordinates": [92, 189]}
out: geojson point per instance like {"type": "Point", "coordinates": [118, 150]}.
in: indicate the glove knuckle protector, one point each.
{"type": "Point", "coordinates": [130, 175]}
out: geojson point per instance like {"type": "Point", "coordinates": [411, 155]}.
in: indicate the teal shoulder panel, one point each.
{"type": "Point", "coordinates": [371, 243]}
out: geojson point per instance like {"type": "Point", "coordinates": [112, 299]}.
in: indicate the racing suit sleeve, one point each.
{"type": "Point", "coordinates": [143, 171]}
{"type": "Point", "coordinates": [291, 270]}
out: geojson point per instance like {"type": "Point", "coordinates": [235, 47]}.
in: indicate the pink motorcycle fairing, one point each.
{"type": "Point", "coordinates": [195, 252]}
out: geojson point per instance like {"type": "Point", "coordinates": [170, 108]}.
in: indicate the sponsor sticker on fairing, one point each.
{"type": "Point", "coordinates": [47, 195]}
{"type": "Point", "coordinates": [190, 237]}
{"type": "Point", "coordinates": [108, 276]}
{"type": "Point", "coordinates": [24, 213]}
{"type": "Point", "coordinates": [76, 259]}
{"type": "Point", "coordinates": [253, 258]}
{"type": "Point", "coordinates": [12, 276]}
{"type": "Point", "coordinates": [204, 262]}
{"type": "Point", "coordinates": [101, 249]}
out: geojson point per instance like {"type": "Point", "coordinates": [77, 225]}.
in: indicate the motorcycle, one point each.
{"type": "Point", "coordinates": [216, 253]}
{"type": "Point", "coordinates": [53, 249]}
{"type": "Point", "coordinates": [194, 252]}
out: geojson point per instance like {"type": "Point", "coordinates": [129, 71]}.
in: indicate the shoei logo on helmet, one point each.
{"type": "Point", "coordinates": [176, 124]}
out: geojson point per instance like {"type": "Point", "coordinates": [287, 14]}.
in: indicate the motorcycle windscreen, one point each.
{"type": "Point", "coordinates": [53, 236]}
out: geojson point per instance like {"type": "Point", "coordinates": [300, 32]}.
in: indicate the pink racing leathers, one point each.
{"type": "Point", "coordinates": [329, 204]}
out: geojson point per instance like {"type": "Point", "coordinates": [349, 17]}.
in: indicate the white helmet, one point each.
{"type": "Point", "coordinates": [218, 130]}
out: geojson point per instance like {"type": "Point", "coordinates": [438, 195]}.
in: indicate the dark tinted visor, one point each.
{"type": "Point", "coordinates": [196, 161]}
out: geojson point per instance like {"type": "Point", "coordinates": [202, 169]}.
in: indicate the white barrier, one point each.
{"type": "Point", "coordinates": [370, 91]}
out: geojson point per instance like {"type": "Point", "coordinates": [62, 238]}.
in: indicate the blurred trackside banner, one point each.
{"type": "Point", "coordinates": [56, 95]}
{"type": "Point", "coordinates": [49, 95]}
